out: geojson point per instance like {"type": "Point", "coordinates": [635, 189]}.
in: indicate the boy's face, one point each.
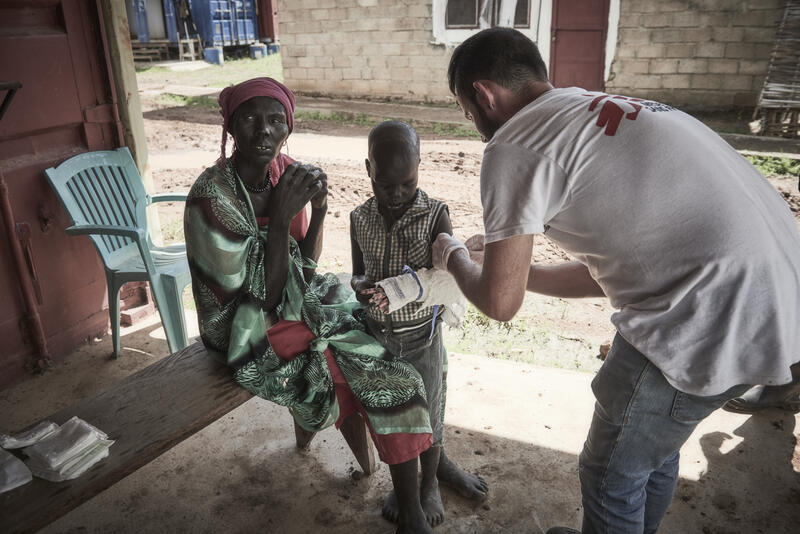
{"type": "Point", "coordinates": [394, 175]}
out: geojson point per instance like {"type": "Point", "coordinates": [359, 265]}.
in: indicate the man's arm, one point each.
{"type": "Point", "coordinates": [498, 286]}
{"type": "Point", "coordinates": [565, 280]}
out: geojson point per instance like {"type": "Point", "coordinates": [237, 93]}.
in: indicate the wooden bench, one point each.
{"type": "Point", "coordinates": [148, 413]}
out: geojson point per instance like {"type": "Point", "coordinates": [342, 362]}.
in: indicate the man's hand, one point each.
{"type": "Point", "coordinates": [445, 245]}
{"type": "Point", "coordinates": [476, 248]}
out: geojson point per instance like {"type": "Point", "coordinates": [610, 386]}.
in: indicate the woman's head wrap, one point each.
{"type": "Point", "coordinates": [234, 95]}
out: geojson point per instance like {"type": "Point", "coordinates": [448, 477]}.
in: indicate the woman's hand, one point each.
{"type": "Point", "coordinates": [297, 186]}
{"type": "Point", "coordinates": [364, 288]}
{"type": "Point", "coordinates": [320, 200]}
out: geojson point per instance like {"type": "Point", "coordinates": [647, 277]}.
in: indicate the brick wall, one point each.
{"type": "Point", "coordinates": [377, 48]}
{"type": "Point", "coordinates": [694, 53]}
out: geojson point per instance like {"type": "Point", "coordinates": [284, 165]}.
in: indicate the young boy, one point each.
{"type": "Point", "coordinates": [395, 228]}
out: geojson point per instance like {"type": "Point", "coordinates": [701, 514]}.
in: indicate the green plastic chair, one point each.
{"type": "Point", "coordinates": [103, 194]}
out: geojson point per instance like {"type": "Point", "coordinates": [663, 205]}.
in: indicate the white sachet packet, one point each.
{"type": "Point", "coordinates": [74, 467]}
{"type": "Point", "coordinates": [28, 437]}
{"type": "Point", "coordinates": [71, 439]}
{"type": "Point", "coordinates": [13, 473]}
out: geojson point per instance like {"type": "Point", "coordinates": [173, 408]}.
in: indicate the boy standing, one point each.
{"type": "Point", "coordinates": [395, 228]}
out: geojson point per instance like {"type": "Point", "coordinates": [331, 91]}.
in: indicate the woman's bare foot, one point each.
{"type": "Point", "coordinates": [431, 501]}
{"type": "Point", "coordinates": [390, 510]}
{"type": "Point", "coordinates": [417, 525]}
{"type": "Point", "coordinates": [468, 485]}
{"type": "Point", "coordinates": [410, 517]}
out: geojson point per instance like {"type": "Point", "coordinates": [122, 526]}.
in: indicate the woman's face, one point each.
{"type": "Point", "coordinates": [259, 128]}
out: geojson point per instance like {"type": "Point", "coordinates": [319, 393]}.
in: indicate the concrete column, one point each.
{"type": "Point", "coordinates": [118, 37]}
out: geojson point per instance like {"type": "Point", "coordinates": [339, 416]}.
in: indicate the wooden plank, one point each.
{"type": "Point", "coordinates": [147, 413]}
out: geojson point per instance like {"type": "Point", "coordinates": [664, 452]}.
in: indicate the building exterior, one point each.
{"type": "Point", "coordinates": [706, 53]}
{"type": "Point", "coordinates": [690, 53]}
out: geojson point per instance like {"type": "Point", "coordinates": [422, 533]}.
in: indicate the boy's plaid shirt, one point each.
{"type": "Point", "coordinates": [407, 242]}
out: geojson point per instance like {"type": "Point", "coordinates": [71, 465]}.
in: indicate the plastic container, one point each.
{"type": "Point", "coordinates": [213, 55]}
{"type": "Point", "coordinates": [257, 51]}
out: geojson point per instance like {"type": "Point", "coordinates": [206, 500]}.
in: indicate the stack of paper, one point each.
{"type": "Point", "coordinates": [68, 452]}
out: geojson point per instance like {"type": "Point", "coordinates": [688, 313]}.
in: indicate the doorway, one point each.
{"type": "Point", "coordinates": [578, 43]}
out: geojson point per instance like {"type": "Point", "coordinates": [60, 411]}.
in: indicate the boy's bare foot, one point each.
{"type": "Point", "coordinates": [431, 501]}
{"type": "Point", "coordinates": [468, 485]}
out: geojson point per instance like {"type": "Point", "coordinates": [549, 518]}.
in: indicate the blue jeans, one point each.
{"type": "Point", "coordinates": [629, 463]}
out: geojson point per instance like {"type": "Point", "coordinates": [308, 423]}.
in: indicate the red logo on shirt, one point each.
{"type": "Point", "coordinates": [614, 109]}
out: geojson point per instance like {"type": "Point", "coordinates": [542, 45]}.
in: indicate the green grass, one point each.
{"type": "Point", "coordinates": [171, 100]}
{"type": "Point", "coordinates": [529, 337]}
{"type": "Point", "coordinates": [361, 119]}
{"type": "Point", "coordinates": [230, 72]}
{"type": "Point", "coordinates": [446, 129]}
{"type": "Point", "coordinates": [172, 231]}
{"type": "Point", "coordinates": [775, 166]}
{"type": "Point", "coordinates": [340, 117]}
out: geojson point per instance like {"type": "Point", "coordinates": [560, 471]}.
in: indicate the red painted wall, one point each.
{"type": "Point", "coordinates": [55, 48]}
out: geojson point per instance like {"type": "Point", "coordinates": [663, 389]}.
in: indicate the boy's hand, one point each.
{"type": "Point", "coordinates": [378, 299]}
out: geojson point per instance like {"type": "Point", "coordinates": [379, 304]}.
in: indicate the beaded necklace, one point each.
{"type": "Point", "coordinates": [261, 189]}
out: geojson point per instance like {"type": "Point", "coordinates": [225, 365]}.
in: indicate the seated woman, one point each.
{"type": "Point", "coordinates": [289, 334]}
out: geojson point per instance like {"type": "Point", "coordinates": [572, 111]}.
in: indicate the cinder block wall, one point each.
{"type": "Point", "coordinates": [694, 53]}
{"type": "Point", "coordinates": [375, 48]}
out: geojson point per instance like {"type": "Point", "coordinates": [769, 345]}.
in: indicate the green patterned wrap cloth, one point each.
{"type": "Point", "coordinates": [226, 251]}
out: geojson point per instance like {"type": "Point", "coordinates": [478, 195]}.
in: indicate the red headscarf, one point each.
{"type": "Point", "coordinates": [234, 95]}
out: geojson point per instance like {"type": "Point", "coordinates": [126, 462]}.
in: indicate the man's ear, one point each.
{"type": "Point", "coordinates": [369, 170]}
{"type": "Point", "coordinates": [485, 94]}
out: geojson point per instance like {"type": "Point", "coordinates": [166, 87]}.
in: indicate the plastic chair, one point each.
{"type": "Point", "coordinates": [104, 195]}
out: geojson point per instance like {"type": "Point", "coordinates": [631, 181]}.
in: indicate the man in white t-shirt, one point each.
{"type": "Point", "coordinates": [690, 243]}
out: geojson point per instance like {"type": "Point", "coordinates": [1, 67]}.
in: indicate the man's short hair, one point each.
{"type": "Point", "coordinates": [502, 55]}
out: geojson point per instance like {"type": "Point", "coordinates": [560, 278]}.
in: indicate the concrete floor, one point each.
{"type": "Point", "coordinates": [519, 426]}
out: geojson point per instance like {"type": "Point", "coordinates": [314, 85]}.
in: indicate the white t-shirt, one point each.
{"type": "Point", "coordinates": [694, 247]}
